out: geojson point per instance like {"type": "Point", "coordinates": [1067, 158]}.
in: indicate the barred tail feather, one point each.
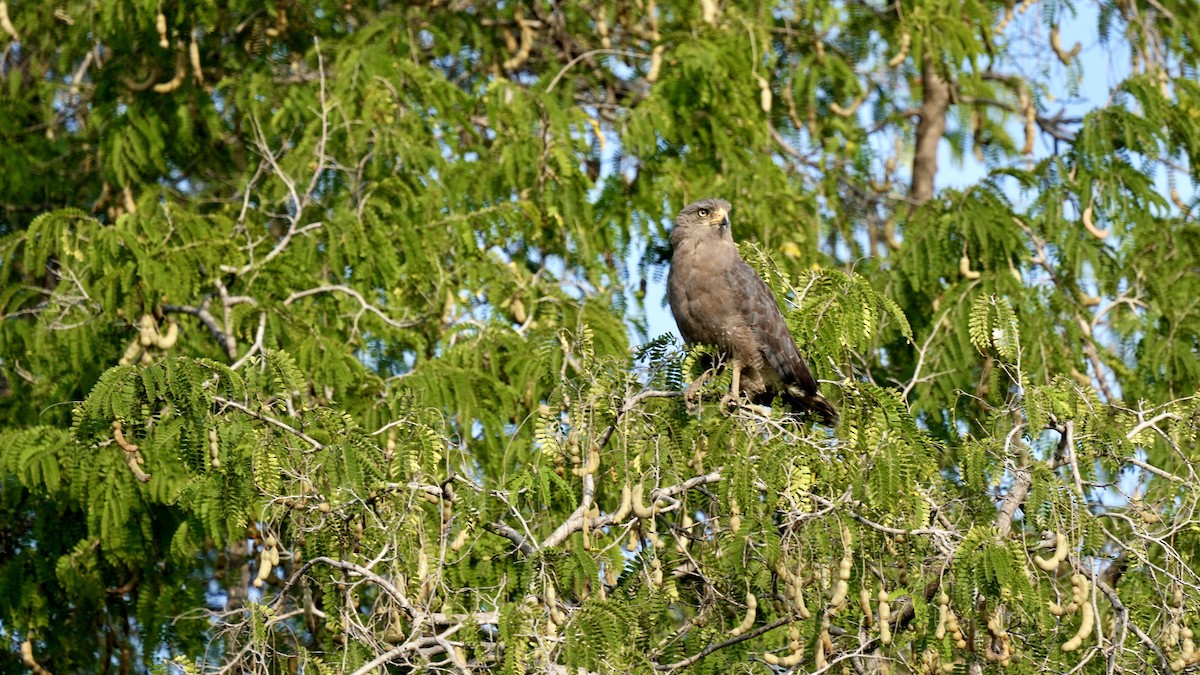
{"type": "Point", "coordinates": [815, 404]}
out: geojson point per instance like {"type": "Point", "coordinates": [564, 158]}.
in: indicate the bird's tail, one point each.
{"type": "Point", "coordinates": [816, 404]}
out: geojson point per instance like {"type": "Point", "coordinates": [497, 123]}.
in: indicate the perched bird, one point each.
{"type": "Point", "coordinates": [717, 299]}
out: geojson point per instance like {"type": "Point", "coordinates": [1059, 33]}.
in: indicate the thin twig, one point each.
{"type": "Point", "coordinates": [316, 445]}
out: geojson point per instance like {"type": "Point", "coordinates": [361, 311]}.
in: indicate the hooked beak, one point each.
{"type": "Point", "coordinates": [721, 218]}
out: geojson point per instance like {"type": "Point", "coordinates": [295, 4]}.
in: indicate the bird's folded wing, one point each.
{"type": "Point", "coordinates": [762, 314]}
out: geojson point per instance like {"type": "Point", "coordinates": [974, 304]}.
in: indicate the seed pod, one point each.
{"type": "Point", "coordinates": [160, 25]}
{"type": "Point", "coordinates": [639, 507]}
{"type": "Point", "coordinates": [764, 94]}
{"type": "Point", "coordinates": [751, 613]}
{"type": "Point", "coordinates": [841, 588]}
{"type": "Point", "coordinates": [964, 268]}
{"type": "Point", "coordinates": [1090, 225]}
{"type": "Point", "coordinates": [885, 616]}
{"type": "Point", "coordinates": [194, 57]}
{"type": "Point", "coordinates": [167, 340]}
{"type": "Point", "coordinates": [1086, 621]}
{"type": "Point", "coordinates": [655, 64]}
{"type": "Point", "coordinates": [796, 648]}
{"type": "Point", "coordinates": [148, 328]}
{"type": "Point", "coordinates": [1060, 554]}
{"type": "Point", "coordinates": [132, 353]}
{"type": "Point", "coordinates": [461, 539]}
{"type": "Point", "coordinates": [626, 505]}
{"type": "Point", "coordinates": [905, 42]}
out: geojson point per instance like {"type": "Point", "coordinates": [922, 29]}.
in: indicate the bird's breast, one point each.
{"type": "Point", "coordinates": [703, 302]}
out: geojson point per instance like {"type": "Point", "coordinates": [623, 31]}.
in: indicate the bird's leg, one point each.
{"type": "Point", "coordinates": [732, 399]}
{"type": "Point", "coordinates": [693, 390]}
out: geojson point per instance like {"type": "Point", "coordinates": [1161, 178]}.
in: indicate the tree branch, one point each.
{"type": "Point", "coordinates": [316, 445]}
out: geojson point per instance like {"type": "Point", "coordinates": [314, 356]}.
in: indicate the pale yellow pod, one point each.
{"type": "Point", "coordinates": [751, 613]}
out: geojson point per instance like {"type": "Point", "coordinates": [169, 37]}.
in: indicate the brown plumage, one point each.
{"type": "Point", "coordinates": [717, 299]}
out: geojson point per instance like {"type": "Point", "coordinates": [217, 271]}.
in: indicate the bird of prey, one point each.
{"type": "Point", "coordinates": [717, 299]}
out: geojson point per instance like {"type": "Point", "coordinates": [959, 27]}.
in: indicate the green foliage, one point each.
{"type": "Point", "coordinates": [993, 326]}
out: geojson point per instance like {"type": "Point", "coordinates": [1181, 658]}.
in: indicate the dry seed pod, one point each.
{"type": "Point", "coordinates": [132, 353]}
{"type": "Point", "coordinates": [964, 268]}
{"type": "Point", "coordinates": [585, 530]}
{"type": "Point", "coordinates": [885, 616]}
{"type": "Point", "coordinates": [864, 603]}
{"type": "Point", "coordinates": [593, 463]}
{"type": "Point", "coordinates": [214, 449]}
{"type": "Point", "coordinates": [652, 535]}
{"type": "Point", "coordinates": [751, 613]}
{"type": "Point", "coordinates": [1079, 588]}
{"type": "Point", "coordinates": [1030, 130]}
{"type": "Point", "coordinates": [824, 646]}
{"type": "Point", "coordinates": [422, 574]}
{"type": "Point", "coordinates": [1056, 44]}
{"type": "Point", "coordinates": [682, 541]}
{"type": "Point", "coordinates": [264, 567]}
{"type": "Point", "coordinates": [119, 437]}
{"type": "Point", "coordinates": [133, 458]}
{"type": "Point", "coordinates": [798, 599]}
{"type": "Point", "coordinates": [461, 539]}
{"type": "Point", "coordinates": [655, 64]}
{"type": "Point", "coordinates": [27, 656]}
{"type": "Point", "coordinates": [525, 47]}
{"type": "Point", "coordinates": [556, 614]}
{"type": "Point", "coordinates": [1060, 554]}
{"type": "Point", "coordinates": [1171, 635]}
{"type": "Point", "coordinates": [764, 94]}
{"type": "Point", "coordinates": [905, 42]}
{"type": "Point", "coordinates": [841, 588]}
{"type": "Point", "coordinates": [160, 25]}
{"type": "Point", "coordinates": [194, 58]}
{"type": "Point", "coordinates": [1085, 628]}
{"type": "Point", "coordinates": [639, 507]}
{"type": "Point", "coordinates": [167, 340]}
{"type": "Point", "coordinates": [148, 330]}
{"type": "Point", "coordinates": [956, 633]}
{"type": "Point", "coordinates": [796, 654]}
{"type": "Point", "coordinates": [735, 516]}
{"type": "Point", "coordinates": [610, 574]}
{"type": "Point", "coordinates": [626, 505]}
{"type": "Point", "coordinates": [1090, 225]}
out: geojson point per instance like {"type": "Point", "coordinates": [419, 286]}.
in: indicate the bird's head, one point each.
{"type": "Point", "coordinates": [707, 217]}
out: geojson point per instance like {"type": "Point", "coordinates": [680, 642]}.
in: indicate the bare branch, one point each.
{"type": "Point", "coordinates": [748, 635]}
{"type": "Point", "coordinates": [228, 344]}
{"type": "Point", "coordinates": [316, 445]}
{"type": "Point", "coordinates": [366, 306]}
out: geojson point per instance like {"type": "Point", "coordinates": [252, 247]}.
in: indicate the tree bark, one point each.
{"type": "Point", "coordinates": [930, 129]}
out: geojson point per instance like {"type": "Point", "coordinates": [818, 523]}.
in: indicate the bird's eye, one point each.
{"type": "Point", "coordinates": [703, 213]}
